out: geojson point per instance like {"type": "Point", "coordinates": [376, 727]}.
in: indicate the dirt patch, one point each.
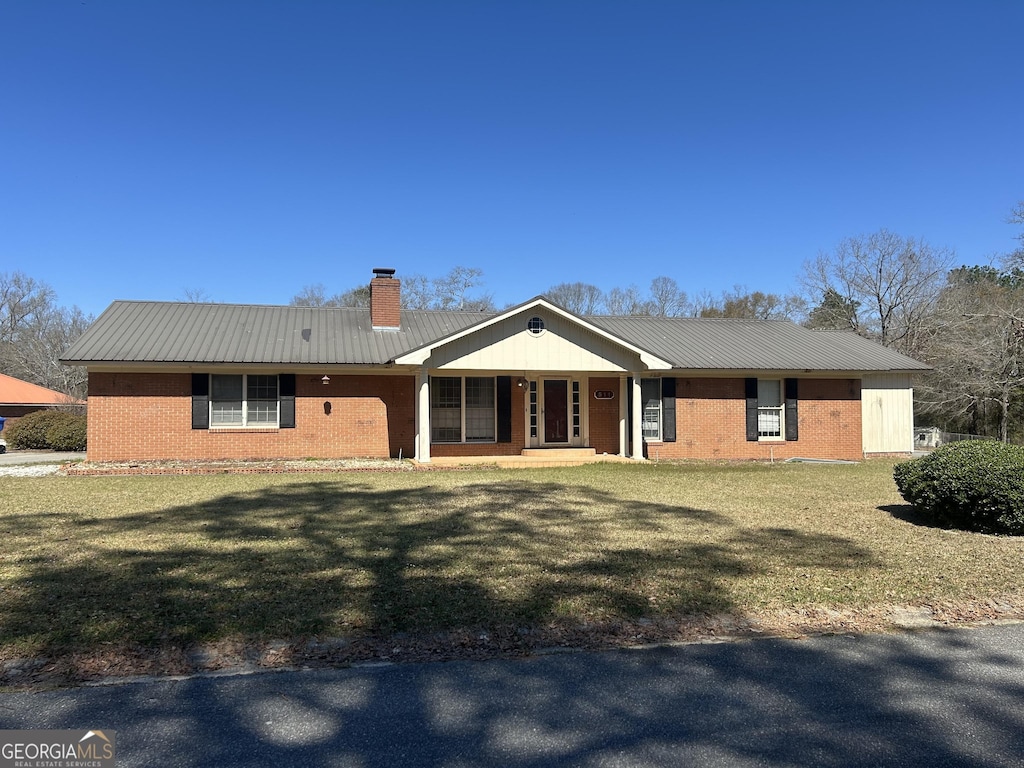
{"type": "Point", "coordinates": [112, 664]}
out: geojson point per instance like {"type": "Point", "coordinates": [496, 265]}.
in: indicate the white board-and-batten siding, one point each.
{"type": "Point", "coordinates": [508, 346]}
{"type": "Point", "coordinates": [887, 413]}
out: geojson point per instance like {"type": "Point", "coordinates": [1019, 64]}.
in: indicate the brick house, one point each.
{"type": "Point", "coordinates": [215, 381]}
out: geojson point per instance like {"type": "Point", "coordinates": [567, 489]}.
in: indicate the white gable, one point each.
{"type": "Point", "coordinates": [567, 342]}
{"type": "Point", "coordinates": [509, 345]}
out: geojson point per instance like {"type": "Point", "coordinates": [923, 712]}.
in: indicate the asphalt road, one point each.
{"type": "Point", "coordinates": [934, 698]}
{"type": "Point", "coordinates": [38, 457]}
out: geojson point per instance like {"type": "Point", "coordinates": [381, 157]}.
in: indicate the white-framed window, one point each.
{"type": "Point", "coordinates": [462, 409]}
{"type": "Point", "coordinates": [770, 409]}
{"type": "Point", "coordinates": [650, 397]}
{"type": "Point", "coordinates": [243, 400]}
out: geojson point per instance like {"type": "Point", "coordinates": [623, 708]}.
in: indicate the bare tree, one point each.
{"type": "Point", "coordinates": [41, 345]}
{"type": "Point", "coordinates": [627, 301]}
{"type": "Point", "coordinates": [975, 341]}
{"type": "Point", "coordinates": [703, 303]}
{"type": "Point", "coordinates": [195, 296]}
{"type": "Point", "coordinates": [578, 298]}
{"type": "Point", "coordinates": [315, 296]}
{"type": "Point", "coordinates": [755, 305]}
{"type": "Point", "coordinates": [22, 301]}
{"type": "Point", "coordinates": [34, 332]}
{"type": "Point", "coordinates": [667, 300]}
{"type": "Point", "coordinates": [451, 291]}
{"type": "Point", "coordinates": [894, 280]}
{"type": "Point", "coordinates": [1016, 259]}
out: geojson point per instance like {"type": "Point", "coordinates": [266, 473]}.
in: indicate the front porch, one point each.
{"type": "Point", "coordinates": [529, 458]}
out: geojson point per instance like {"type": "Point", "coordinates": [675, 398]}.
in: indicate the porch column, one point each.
{"type": "Point", "coordinates": [623, 437]}
{"type": "Point", "coordinates": [423, 415]}
{"type": "Point", "coordinates": [638, 426]}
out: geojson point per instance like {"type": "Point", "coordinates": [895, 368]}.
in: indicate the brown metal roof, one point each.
{"type": "Point", "coordinates": [189, 333]}
{"type": "Point", "coordinates": [161, 332]}
{"type": "Point", "coordinates": [728, 344]}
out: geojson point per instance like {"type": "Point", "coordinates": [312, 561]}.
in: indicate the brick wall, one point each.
{"type": "Point", "coordinates": [711, 421]}
{"type": "Point", "coordinates": [149, 416]}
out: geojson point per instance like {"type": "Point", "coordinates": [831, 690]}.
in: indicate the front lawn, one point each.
{"type": "Point", "coordinates": [170, 562]}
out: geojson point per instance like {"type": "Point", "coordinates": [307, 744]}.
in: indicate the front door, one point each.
{"type": "Point", "coordinates": [556, 411]}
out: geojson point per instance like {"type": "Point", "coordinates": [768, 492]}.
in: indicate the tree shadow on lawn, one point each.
{"type": "Point", "coordinates": [343, 558]}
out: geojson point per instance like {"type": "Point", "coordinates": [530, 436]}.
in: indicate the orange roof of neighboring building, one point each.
{"type": "Point", "coordinates": [17, 392]}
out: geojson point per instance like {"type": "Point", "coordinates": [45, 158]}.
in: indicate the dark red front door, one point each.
{"type": "Point", "coordinates": [556, 411]}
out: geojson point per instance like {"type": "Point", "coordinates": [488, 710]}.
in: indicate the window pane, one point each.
{"type": "Point", "coordinates": [261, 400]}
{"type": "Point", "coordinates": [445, 392]}
{"type": "Point", "coordinates": [769, 393]}
{"type": "Point", "coordinates": [769, 408]}
{"type": "Point", "coordinates": [261, 387]}
{"type": "Point", "coordinates": [226, 387]}
{"type": "Point", "coordinates": [446, 409]}
{"type": "Point", "coordinates": [226, 400]}
{"type": "Point", "coordinates": [479, 409]}
{"type": "Point", "coordinates": [650, 396]}
{"type": "Point", "coordinates": [533, 409]}
{"type": "Point", "coordinates": [769, 422]}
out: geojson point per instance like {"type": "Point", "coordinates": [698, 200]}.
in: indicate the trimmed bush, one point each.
{"type": "Point", "coordinates": [974, 486]}
{"type": "Point", "coordinates": [48, 430]}
{"type": "Point", "coordinates": [68, 435]}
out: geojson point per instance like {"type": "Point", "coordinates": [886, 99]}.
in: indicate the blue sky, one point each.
{"type": "Point", "coordinates": [247, 149]}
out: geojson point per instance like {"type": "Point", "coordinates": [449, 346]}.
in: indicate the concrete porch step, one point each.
{"type": "Point", "coordinates": [532, 458]}
{"type": "Point", "coordinates": [557, 454]}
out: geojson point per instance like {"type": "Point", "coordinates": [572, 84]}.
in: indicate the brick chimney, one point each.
{"type": "Point", "coordinates": [385, 300]}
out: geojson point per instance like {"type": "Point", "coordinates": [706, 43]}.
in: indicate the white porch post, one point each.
{"type": "Point", "coordinates": [638, 426]}
{"type": "Point", "coordinates": [423, 415]}
{"type": "Point", "coordinates": [623, 437]}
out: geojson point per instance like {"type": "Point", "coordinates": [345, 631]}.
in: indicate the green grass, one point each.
{"type": "Point", "coordinates": [180, 560]}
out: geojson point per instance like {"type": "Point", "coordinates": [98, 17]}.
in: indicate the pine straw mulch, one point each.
{"type": "Point", "coordinates": [112, 664]}
{"type": "Point", "coordinates": [233, 467]}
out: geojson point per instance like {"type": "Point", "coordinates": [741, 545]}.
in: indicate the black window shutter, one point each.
{"type": "Point", "coordinates": [286, 394]}
{"type": "Point", "coordinates": [504, 404]}
{"type": "Point", "coordinates": [668, 410]}
{"type": "Point", "coordinates": [200, 401]}
{"type": "Point", "coordinates": [792, 418]}
{"type": "Point", "coordinates": [750, 386]}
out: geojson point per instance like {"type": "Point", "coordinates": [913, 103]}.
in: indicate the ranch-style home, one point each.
{"type": "Point", "coordinates": [223, 381]}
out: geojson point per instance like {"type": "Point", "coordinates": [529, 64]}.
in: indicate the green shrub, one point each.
{"type": "Point", "coordinates": [974, 486]}
{"type": "Point", "coordinates": [68, 435]}
{"type": "Point", "coordinates": [48, 430]}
